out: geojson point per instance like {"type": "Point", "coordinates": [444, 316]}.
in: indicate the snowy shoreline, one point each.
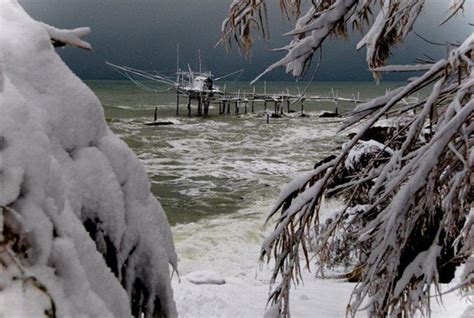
{"type": "Point", "coordinates": [225, 251]}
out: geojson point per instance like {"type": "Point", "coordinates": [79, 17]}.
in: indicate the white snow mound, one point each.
{"type": "Point", "coordinates": [75, 198]}
{"type": "Point", "coordinates": [205, 277]}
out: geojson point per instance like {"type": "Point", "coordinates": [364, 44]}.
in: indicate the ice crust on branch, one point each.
{"type": "Point", "coordinates": [79, 225]}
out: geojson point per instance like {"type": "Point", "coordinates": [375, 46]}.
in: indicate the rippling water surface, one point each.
{"type": "Point", "coordinates": [216, 177]}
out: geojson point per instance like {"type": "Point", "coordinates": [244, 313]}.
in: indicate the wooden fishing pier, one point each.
{"type": "Point", "coordinates": [197, 88]}
{"type": "Point", "coordinates": [244, 103]}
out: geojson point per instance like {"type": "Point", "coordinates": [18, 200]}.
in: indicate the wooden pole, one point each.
{"type": "Point", "coordinates": [206, 106]}
{"type": "Point", "coordinates": [189, 106]}
{"type": "Point", "coordinates": [177, 104]}
{"type": "Point", "coordinates": [245, 105]}
{"type": "Point", "coordinates": [200, 105]}
{"type": "Point", "coordinates": [156, 114]}
{"type": "Point", "coordinates": [253, 100]}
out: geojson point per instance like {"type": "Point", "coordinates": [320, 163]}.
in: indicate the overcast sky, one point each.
{"type": "Point", "coordinates": [144, 34]}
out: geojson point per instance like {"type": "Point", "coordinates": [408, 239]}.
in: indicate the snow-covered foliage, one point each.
{"type": "Point", "coordinates": [80, 232]}
{"type": "Point", "coordinates": [417, 224]}
{"type": "Point", "coordinates": [326, 18]}
{"type": "Point", "coordinates": [62, 37]}
{"type": "Point", "coordinates": [363, 148]}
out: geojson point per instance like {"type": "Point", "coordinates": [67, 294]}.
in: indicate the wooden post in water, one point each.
{"type": "Point", "coordinates": [206, 107]}
{"type": "Point", "coordinates": [245, 105]}
{"type": "Point", "coordinates": [280, 106]}
{"type": "Point", "coordinates": [200, 105]}
{"type": "Point", "coordinates": [189, 106]}
{"type": "Point", "coordinates": [228, 107]}
{"type": "Point", "coordinates": [288, 105]}
{"type": "Point", "coordinates": [302, 106]}
{"type": "Point", "coordinates": [177, 104]}
{"type": "Point", "coordinates": [265, 103]}
{"type": "Point", "coordinates": [268, 118]}
{"type": "Point", "coordinates": [237, 107]}
{"type": "Point", "coordinates": [253, 100]}
{"type": "Point", "coordinates": [156, 114]}
{"type": "Point", "coordinates": [335, 97]}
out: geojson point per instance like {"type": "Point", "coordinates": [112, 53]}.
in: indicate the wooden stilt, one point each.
{"type": "Point", "coordinates": [253, 100]}
{"type": "Point", "coordinates": [200, 105]}
{"type": "Point", "coordinates": [156, 114]}
{"type": "Point", "coordinates": [206, 107]}
{"type": "Point", "coordinates": [189, 106]}
{"type": "Point", "coordinates": [177, 104]}
{"type": "Point", "coordinates": [245, 104]}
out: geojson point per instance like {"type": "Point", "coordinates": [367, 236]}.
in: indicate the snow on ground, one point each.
{"type": "Point", "coordinates": [228, 248]}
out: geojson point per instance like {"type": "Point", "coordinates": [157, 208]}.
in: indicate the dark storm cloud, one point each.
{"type": "Point", "coordinates": [144, 34]}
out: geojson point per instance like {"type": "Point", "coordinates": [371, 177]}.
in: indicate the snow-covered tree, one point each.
{"type": "Point", "coordinates": [80, 232]}
{"type": "Point", "coordinates": [418, 215]}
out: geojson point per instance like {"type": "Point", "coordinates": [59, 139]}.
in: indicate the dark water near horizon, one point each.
{"type": "Point", "coordinates": [205, 167]}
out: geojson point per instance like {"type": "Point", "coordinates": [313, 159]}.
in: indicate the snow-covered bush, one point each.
{"type": "Point", "coordinates": [421, 197]}
{"type": "Point", "coordinates": [80, 232]}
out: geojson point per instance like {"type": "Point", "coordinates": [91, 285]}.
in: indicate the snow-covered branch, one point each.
{"type": "Point", "coordinates": [326, 18]}
{"type": "Point", "coordinates": [422, 184]}
{"type": "Point", "coordinates": [61, 37]}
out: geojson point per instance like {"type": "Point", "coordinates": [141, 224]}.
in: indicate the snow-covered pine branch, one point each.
{"type": "Point", "coordinates": [87, 236]}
